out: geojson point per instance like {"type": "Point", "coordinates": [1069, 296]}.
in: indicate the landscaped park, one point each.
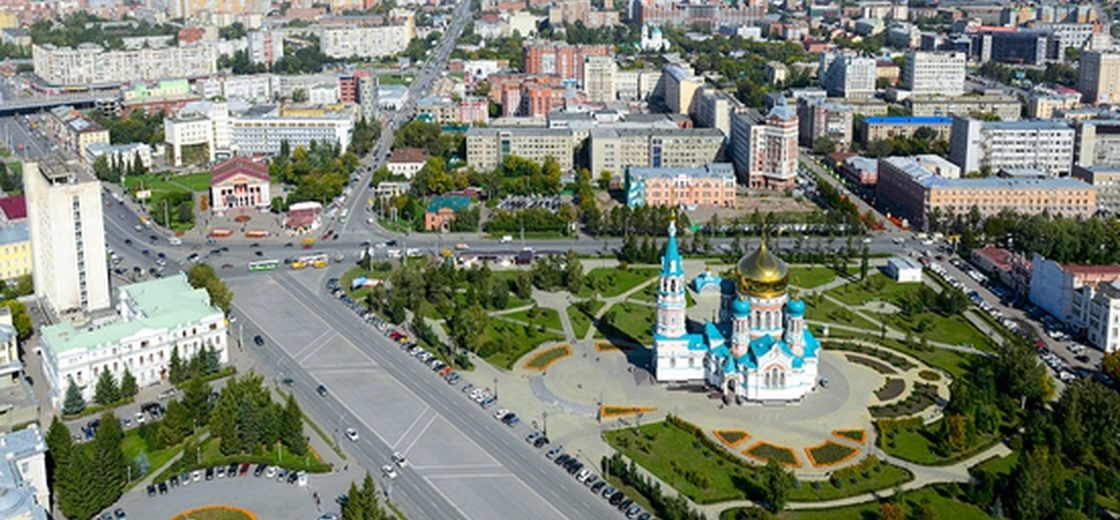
{"type": "Point", "coordinates": [893, 354]}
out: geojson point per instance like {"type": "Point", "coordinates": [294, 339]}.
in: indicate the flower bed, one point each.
{"type": "Point", "coordinates": [881, 368]}
{"type": "Point", "coordinates": [897, 361]}
{"type": "Point", "coordinates": [830, 454]}
{"type": "Point", "coordinates": [891, 389]}
{"type": "Point", "coordinates": [766, 452]}
{"type": "Point", "coordinates": [607, 346]}
{"type": "Point", "coordinates": [859, 436]}
{"type": "Point", "coordinates": [920, 398]}
{"type": "Point", "coordinates": [546, 358]}
{"type": "Point", "coordinates": [731, 437]}
{"type": "Point", "coordinates": [216, 513]}
{"type": "Point", "coordinates": [929, 375]}
{"type": "Point", "coordinates": [610, 411]}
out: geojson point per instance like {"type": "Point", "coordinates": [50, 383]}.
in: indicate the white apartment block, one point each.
{"type": "Point", "coordinates": [198, 123]}
{"type": "Point", "coordinates": [487, 148]}
{"type": "Point", "coordinates": [64, 210]}
{"type": "Point", "coordinates": [91, 64]}
{"type": "Point", "coordinates": [254, 89]}
{"type": "Point", "coordinates": [262, 129]}
{"type": "Point", "coordinates": [636, 85]}
{"type": "Point", "coordinates": [152, 318]}
{"type": "Point", "coordinates": [847, 75]}
{"type": "Point", "coordinates": [1040, 144]}
{"type": "Point", "coordinates": [934, 73]}
{"type": "Point", "coordinates": [599, 78]}
{"type": "Point", "coordinates": [265, 46]}
{"type": "Point", "coordinates": [1096, 311]}
{"type": "Point", "coordinates": [615, 149]}
{"type": "Point", "coordinates": [365, 42]}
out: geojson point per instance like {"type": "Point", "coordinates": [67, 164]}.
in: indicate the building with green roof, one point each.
{"type": "Point", "coordinates": [441, 211]}
{"type": "Point", "coordinates": [152, 318]}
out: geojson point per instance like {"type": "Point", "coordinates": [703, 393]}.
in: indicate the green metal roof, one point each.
{"type": "Point", "coordinates": [163, 304]}
{"type": "Point", "coordinates": [452, 202]}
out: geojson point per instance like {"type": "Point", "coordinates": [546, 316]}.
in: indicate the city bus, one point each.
{"type": "Point", "coordinates": [264, 265]}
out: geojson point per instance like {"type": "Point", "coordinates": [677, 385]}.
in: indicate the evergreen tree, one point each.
{"type": "Point", "coordinates": [223, 421]}
{"type": "Point", "coordinates": [355, 505]}
{"type": "Point", "coordinates": [106, 391]}
{"type": "Point", "coordinates": [129, 389]}
{"type": "Point", "coordinates": [58, 457]}
{"type": "Point", "coordinates": [776, 483]}
{"type": "Point", "coordinates": [176, 369]}
{"type": "Point", "coordinates": [291, 424]}
{"type": "Point", "coordinates": [250, 426]}
{"type": "Point", "coordinates": [80, 501]}
{"type": "Point", "coordinates": [863, 264]}
{"type": "Point", "coordinates": [109, 462]}
{"type": "Point", "coordinates": [196, 400]}
{"type": "Point", "coordinates": [178, 419]}
{"type": "Point", "coordinates": [74, 403]}
{"type": "Point", "coordinates": [369, 499]}
{"type": "Point", "coordinates": [212, 360]}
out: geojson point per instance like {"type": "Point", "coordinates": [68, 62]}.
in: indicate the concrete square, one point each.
{"type": "Point", "coordinates": [440, 444]}
{"type": "Point", "coordinates": [486, 495]}
{"type": "Point", "coordinates": [376, 395]}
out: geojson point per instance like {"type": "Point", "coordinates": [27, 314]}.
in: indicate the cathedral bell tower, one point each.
{"type": "Point", "coordinates": [670, 290]}
{"type": "Point", "coordinates": [795, 327]}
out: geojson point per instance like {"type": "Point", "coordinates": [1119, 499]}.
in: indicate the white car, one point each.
{"type": "Point", "coordinates": [352, 434]}
{"type": "Point", "coordinates": [389, 471]}
{"type": "Point", "coordinates": [140, 418]}
{"type": "Point", "coordinates": [501, 413]}
{"type": "Point", "coordinates": [398, 458]}
{"type": "Point", "coordinates": [271, 472]}
{"type": "Point", "coordinates": [196, 476]}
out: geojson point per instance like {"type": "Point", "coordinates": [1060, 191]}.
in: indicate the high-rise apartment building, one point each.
{"type": "Point", "coordinates": [599, 79]}
{"type": "Point", "coordinates": [681, 85]}
{"type": "Point", "coordinates": [773, 150]}
{"type": "Point", "coordinates": [1098, 77]}
{"type": "Point", "coordinates": [1045, 145]}
{"type": "Point", "coordinates": [67, 234]}
{"type": "Point", "coordinates": [367, 41]}
{"type": "Point", "coordinates": [559, 58]}
{"type": "Point", "coordinates": [191, 8]}
{"type": "Point", "coordinates": [822, 119]}
{"type": "Point", "coordinates": [847, 75]}
{"type": "Point", "coordinates": [935, 73]}
{"type": "Point", "coordinates": [90, 64]}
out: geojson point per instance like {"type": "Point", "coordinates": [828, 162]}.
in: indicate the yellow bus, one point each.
{"type": "Point", "coordinates": [299, 264]}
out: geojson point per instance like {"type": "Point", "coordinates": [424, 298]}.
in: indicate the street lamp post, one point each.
{"type": "Point", "coordinates": [544, 415]}
{"type": "Point", "coordinates": [495, 387]}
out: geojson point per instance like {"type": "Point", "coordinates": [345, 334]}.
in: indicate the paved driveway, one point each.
{"type": "Point", "coordinates": [265, 498]}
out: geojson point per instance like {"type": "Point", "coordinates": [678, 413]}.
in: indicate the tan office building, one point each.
{"type": "Point", "coordinates": [487, 148]}
{"type": "Point", "coordinates": [1098, 77]}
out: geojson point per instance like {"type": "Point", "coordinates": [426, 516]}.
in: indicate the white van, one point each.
{"type": "Point", "coordinates": [506, 239]}
{"type": "Point", "coordinates": [175, 241]}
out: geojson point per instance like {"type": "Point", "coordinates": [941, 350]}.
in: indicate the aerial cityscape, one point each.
{"type": "Point", "coordinates": [558, 259]}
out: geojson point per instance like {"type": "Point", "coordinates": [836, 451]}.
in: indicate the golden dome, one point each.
{"type": "Point", "coordinates": [762, 274]}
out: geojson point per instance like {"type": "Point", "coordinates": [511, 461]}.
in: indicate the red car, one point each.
{"type": "Point", "coordinates": [327, 235]}
{"type": "Point", "coordinates": [395, 335]}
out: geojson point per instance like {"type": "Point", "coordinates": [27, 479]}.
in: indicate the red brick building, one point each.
{"type": "Point", "coordinates": [559, 58]}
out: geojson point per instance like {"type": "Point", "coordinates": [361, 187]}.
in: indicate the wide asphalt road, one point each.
{"type": "Point", "coordinates": [507, 478]}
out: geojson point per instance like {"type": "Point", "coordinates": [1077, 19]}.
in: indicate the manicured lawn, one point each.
{"type": "Point", "coordinates": [354, 272]}
{"type": "Point", "coordinates": [878, 287]}
{"type": "Point", "coordinates": [810, 277]}
{"type": "Point", "coordinates": [611, 281]}
{"type": "Point", "coordinates": [394, 79]}
{"type": "Point", "coordinates": [132, 445]}
{"type": "Point", "coordinates": [954, 330]}
{"type": "Point", "coordinates": [918, 445]}
{"type": "Point", "coordinates": [580, 321]}
{"type": "Point", "coordinates": [153, 182]}
{"type": "Point", "coordinates": [826, 310]}
{"type": "Point", "coordinates": [538, 316]}
{"type": "Point", "coordinates": [697, 470]}
{"type": "Point", "coordinates": [942, 501]}
{"type": "Point", "coordinates": [504, 342]}
{"type": "Point", "coordinates": [632, 321]}
{"type": "Point", "coordinates": [951, 361]}
{"type": "Point", "coordinates": [193, 181]}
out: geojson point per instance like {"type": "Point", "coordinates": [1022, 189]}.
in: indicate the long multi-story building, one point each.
{"type": "Point", "coordinates": [599, 78]}
{"type": "Point", "coordinates": [90, 64]}
{"type": "Point", "coordinates": [152, 319]}
{"type": "Point", "coordinates": [572, 11]}
{"type": "Point", "coordinates": [67, 234]}
{"type": "Point", "coordinates": [879, 128]}
{"type": "Point", "coordinates": [709, 14]}
{"type": "Point", "coordinates": [936, 73]}
{"type": "Point", "coordinates": [1098, 77]}
{"type": "Point", "coordinates": [192, 8]}
{"type": "Point", "coordinates": [847, 75]}
{"type": "Point", "coordinates": [561, 59]}
{"type": "Point", "coordinates": [367, 41]}
{"type": "Point", "coordinates": [773, 150]}
{"type": "Point", "coordinates": [1006, 108]}
{"type": "Point", "coordinates": [1045, 145]}
{"type": "Point", "coordinates": [713, 110]}
{"type": "Point", "coordinates": [712, 185]}
{"type": "Point", "coordinates": [1104, 179]}
{"type": "Point", "coordinates": [912, 191]}
{"type": "Point", "coordinates": [487, 148]}
{"type": "Point", "coordinates": [262, 129]}
{"type": "Point", "coordinates": [615, 149]}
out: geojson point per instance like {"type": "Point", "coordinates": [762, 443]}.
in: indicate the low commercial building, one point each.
{"type": "Point", "coordinates": [912, 191]}
{"type": "Point", "coordinates": [441, 211]}
{"type": "Point", "coordinates": [1009, 268]}
{"type": "Point", "coordinates": [862, 171]}
{"type": "Point", "coordinates": [239, 183]}
{"type": "Point", "coordinates": [1041, 144]}
{"type": "Point", "coordinates": [712, 185]}
{"type": "Point", "coordinates": [1104, 179]}
{"type": "Point", "coordinates": [487, 148]}
{"type": "Point", "coordinates": [879, 128]}
{"type": "Point", "coordinates": [120, 153]}
{"type": "Point", "coordinates": [904, 269]}
{"type": "Point", "coordinates": [405, 162]}
{"type": "Point", "coordinates": [152, 318]}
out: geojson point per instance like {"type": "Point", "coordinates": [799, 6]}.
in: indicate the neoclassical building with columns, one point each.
{"type": "Point", "coordinates": [760, 349]}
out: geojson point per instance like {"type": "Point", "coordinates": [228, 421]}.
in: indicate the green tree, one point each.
{"type": "Point", "coordinates": [109, 461]}
{"type": "Point", "coordinates": [129, 388]}
{"type": "Point", "coordinates": [369, 499]}
{"type": "Point", "coordinates": [1033, 482]}
{"type": "Point", "coordinates": [25, 285]}
{"type": "Point", "coordinates": [291, 427]}
{"type": "Point", "coordinates": [21, 320]}
{"type": "Point", "coordinates": [196, 400]}
{"type": "Point", "coordinates": [176, 369]}
{"type": "Point", "coordinates": [776, 483]}
{"type": "Point", "coordinates": [58, 457]}
{"type": "Point", "coordinates": [355, 506]}
{"type": "Point", "coordinates": [106, 391]}
{"type": "Point", "coordinates": [863, 264]}
{"type": "Point", "coordinates": [80, 501]}
{"type": "Point", "coordinates": [223, 421]}
{"type": "Point", "coordinates": [73, 403]}
{"type": "Point", "coordinates": [202, 275]}
{"type": "Point", "coordinates": [1110, 365]}
{"type": "Point", "coordinates": [824, 146]}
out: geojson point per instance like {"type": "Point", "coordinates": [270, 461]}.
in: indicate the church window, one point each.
{"type": "Point", "coordinates": [766, 320]}
{"type": "Point", "coordinates": [673, 362]}
{"type": "Point", "coordinates": [691, 362]}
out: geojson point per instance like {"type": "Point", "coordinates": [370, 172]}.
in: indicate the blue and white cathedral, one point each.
{"type": "Point", "coordinates": [759, 350]}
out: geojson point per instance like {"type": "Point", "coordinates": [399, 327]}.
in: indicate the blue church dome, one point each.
{"type": "Point", "coordinates": [795, 308]}
{"type": "Point", "coordinates": [740, 307]}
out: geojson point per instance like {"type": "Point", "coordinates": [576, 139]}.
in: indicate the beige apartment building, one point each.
{"type": "Point", "coordinates": [91, 64]}
{"type": "Point", "coordinates": [681, 85]}
{"type": "Point", "coordinates": [1008, 108]}
{"type": "Point", "coordinates": [615, 149]}
{"type": "Point", "coordinates": [487, 148]}
{"type": "Point", "coordinates": [599, 79]}
{"type": "Point", "coordinates": [368, 41]}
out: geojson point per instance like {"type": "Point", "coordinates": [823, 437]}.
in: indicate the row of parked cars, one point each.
{"type": "Point", "coordinates": [334, 286]}
{"type": "Point", "coordinates": [587, 477]}
{"type": "Point", "coordinates": [233, 470]}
